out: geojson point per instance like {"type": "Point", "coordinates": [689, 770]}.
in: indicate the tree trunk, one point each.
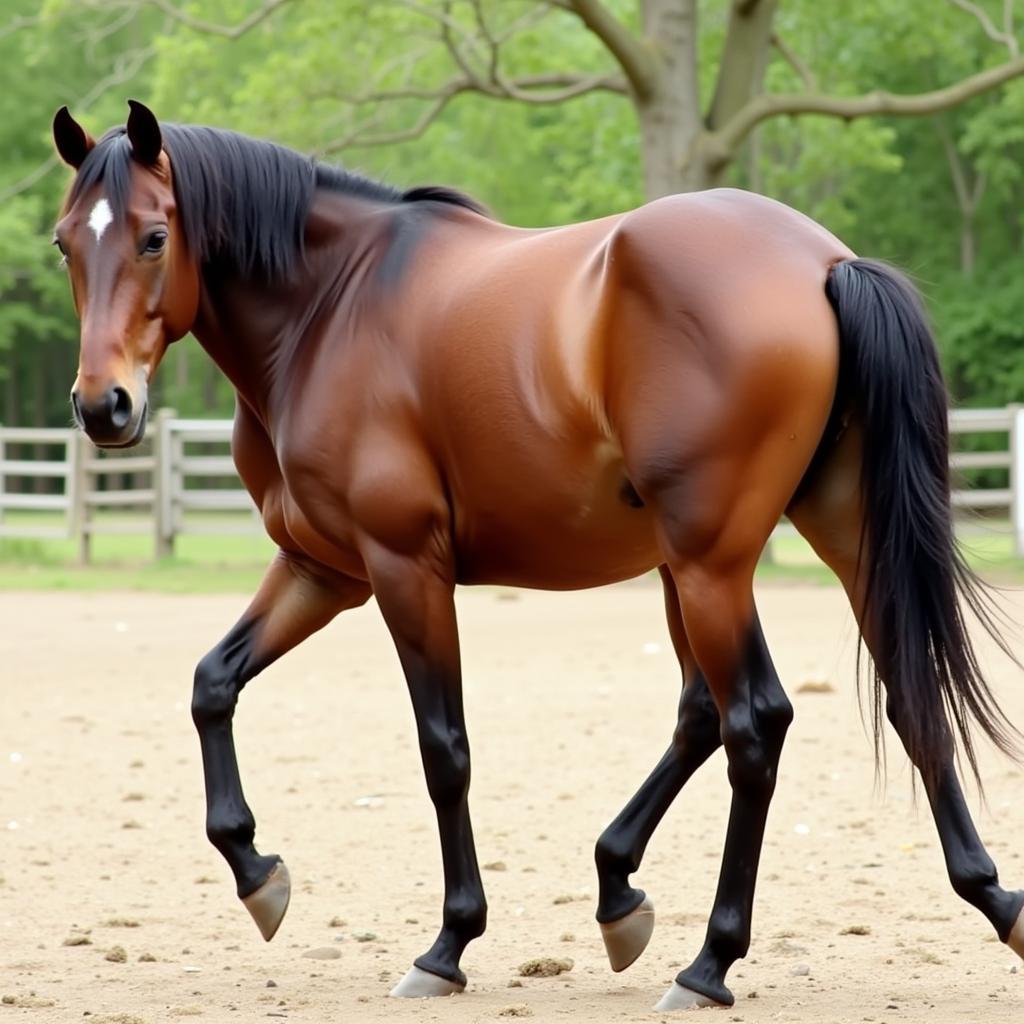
{"type": "Point", "coordinates": [670, 118]}
{"type": "Point", "coordinates": [679, 155]}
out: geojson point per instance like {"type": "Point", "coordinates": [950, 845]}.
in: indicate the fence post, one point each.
{"type": "Point", "coordinates": [3, 481]}
{"type": "Point", "coordinates": [1017, 477]}
{"type": "Point", "coordinates": [81, 511]}
{"type": "Point", "coordinates": [163, 503]}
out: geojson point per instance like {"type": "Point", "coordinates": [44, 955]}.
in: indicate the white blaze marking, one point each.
{"type": "Point", "coordinates": [100, 218]}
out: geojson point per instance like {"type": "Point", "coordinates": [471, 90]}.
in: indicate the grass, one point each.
{"type": "Point", "coordinates": [234, 563]}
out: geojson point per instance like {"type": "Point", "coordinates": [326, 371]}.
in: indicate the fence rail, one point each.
{"type": "Point", "coordinates": [168, 488]}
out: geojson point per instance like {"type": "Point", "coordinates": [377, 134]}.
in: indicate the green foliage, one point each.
{"type": "Point", "coordinates": [886, 186]}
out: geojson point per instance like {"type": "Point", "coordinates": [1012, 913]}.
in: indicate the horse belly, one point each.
{"type": "Point", "coordinates": [553, 539]}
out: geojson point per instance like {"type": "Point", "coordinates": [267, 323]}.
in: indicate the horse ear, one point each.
{"type": "Point", "coordinates": [73, 142]}
{"type": "Point", "coordinates": [144, 133]}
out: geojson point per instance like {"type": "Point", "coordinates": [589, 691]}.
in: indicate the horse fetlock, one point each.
{"type": "Point", "coordinates": [466, 916]}
{"type": "Point", "coordinates": [613, 856]}
{"type": "Point", "coordinates": [231, 834]}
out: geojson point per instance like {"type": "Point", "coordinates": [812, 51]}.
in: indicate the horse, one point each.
{"type": "Point", "coordinates": [428, 397]}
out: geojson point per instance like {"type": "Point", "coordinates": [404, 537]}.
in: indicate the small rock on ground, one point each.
{"type": "Point", "coordinates": [323, 953]}
{"type": "Point", "coordinates": [545, 967]}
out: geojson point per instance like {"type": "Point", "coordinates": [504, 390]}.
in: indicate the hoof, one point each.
{"type": "Point", "coordinates": [627, 938]}
{"type": "Point", "coordinates": [270, 901]}
{"type": "Point", "coordinates": [680, 998]}
{"type": "Point", "coordinates": [1016, 939]}
{"type": "Point", "coordinates": [420, 984]}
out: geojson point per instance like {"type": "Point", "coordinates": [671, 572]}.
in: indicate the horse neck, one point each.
{"type": "Point", "coordinates": [253, 329]}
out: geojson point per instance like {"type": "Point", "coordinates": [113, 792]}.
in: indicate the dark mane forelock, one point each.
{"type": "Point", "coordinates": [242, 201]}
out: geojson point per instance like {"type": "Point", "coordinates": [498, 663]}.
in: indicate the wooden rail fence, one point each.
{"type": "Point", "coordinates": [182, 480]}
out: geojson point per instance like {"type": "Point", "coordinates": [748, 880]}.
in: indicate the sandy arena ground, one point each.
{"type": "Point", "coordinates": [571, 700]}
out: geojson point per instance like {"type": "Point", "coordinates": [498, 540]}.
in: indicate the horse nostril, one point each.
{"type": "Point", "coordinates": [121, 408]}
{"type": "Point", "coordinates": [76, 408]}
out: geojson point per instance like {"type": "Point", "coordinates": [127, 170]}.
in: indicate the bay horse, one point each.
{"type": "Point", "coordinates": [428, 397]}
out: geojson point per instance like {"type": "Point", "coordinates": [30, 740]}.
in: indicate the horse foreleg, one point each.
{"type": "Point", "coordinates": [293, 602]}
{"type": "Point", "coordinates": [755, 715]}
{"type": "Point", "coordinates": [625, 914]}
{"type": "Point", "coordinates": [416, 598]}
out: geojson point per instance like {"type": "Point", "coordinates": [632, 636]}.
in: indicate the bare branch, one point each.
{"type": "Point", "coordinates": [795, 62]}
{"type": "Point", "coordinates": [633, 57]}
{"type": "Point", "coordinates": [723, 143]}
{"type": "Point", "coordinates": [126, 67]}
{"type": "Point", "coordinates": [212, 28]}
{"type": "Point", "coordinates": [956, 165]}
{"type": "Point", "coordinates": [361, 136]}
{"type": "Point", "coordinates": [1006, 37]}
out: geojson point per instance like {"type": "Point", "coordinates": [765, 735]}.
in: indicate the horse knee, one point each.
{"type": "Point", "coordinates": [214, 690]}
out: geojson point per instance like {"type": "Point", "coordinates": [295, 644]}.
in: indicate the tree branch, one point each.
{"type": "Point", "coordinates": [127, 66]}
{"type": "Point", "coordinates": [1006, 37]}
{"type": "Point", "coordinates": [724, 142]}
{"type": "Point", "coordinates": [361, 136]}
{"type": "Point", "coordinates": [633, 57]}
{"type": "Point", "coordinates": [212, 28]}
{"type": "Point", "coordinates": [794, 61]}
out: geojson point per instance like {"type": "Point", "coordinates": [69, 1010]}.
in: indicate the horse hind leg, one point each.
{"type": "Point", "coordinates": [829, 514]}
{"type": "Point", "coordinates": [625, 914]}
{"type": "Point", "coordinates": [728, 644]}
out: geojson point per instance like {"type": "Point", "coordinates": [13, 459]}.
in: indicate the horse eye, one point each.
{"type": "Point", "coordinates": [156, 242]}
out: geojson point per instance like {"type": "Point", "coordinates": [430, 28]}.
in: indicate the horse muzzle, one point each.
{"type": "Point", "coordinates": [113, 419]}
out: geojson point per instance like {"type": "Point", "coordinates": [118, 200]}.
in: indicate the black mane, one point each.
{"type": "Point", "coordinates": [242, 201]}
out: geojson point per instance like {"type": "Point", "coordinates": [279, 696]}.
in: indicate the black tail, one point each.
{"type": "Point", "coordinates": [889, 374]}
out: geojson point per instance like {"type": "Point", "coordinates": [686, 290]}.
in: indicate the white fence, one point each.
{"type": "Point", "coordinates": [167, 487]}
{"type": "Point", "coordinates": [164, 488]}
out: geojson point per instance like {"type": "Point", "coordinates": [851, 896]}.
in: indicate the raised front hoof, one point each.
{"type": "Point", "coordinates": [627, 938]}
{"type": "Point", "coordinates": [270, 901]}
{"type": "Point", "coordinates": [421, 984]}
{"type": "Point", "coordinates": [678, 997]}
{"type": "Point", "coordinates": [1016, 939]}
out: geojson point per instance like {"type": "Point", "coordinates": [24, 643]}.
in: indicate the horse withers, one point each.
{"type": "Point", "coordinates": [427, 397]}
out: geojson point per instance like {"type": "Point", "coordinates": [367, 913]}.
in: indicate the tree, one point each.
{"type": "Point", "coordinates": [649, 55]}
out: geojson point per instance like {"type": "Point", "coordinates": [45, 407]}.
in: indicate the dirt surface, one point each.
{"type": "Point", "coordinates": [571, 700]}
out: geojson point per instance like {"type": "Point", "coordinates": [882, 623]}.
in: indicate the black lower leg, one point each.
{"type": "Point", "coordinates": [622, 844]}
{"type": "Point", "coordinates": [230, 825]}
{"type": "Point", "coordinates": [971, 870]}
{"type": "Point", "coordinates": [754, 725]}
{"type": "Point", "coordinates": [445, 751]}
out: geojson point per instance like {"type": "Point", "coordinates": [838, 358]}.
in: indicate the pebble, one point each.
{"type": "Point", "coordinates": [323, 953]}
{"type": "Point", "coordinates": [271, 983]}
{"type": "Point", "coordinates": [800, 970]}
